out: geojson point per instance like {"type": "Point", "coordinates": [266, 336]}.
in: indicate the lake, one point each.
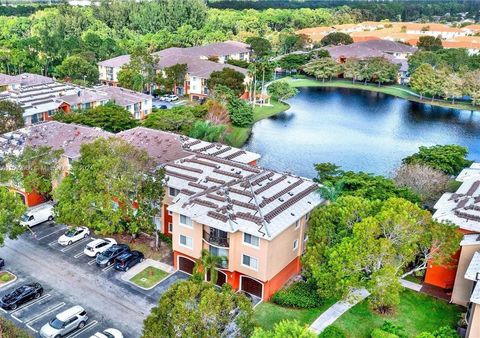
{"type": "Point", "coordinates": [358, 130]}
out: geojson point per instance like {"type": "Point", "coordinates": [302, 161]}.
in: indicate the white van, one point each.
{"type": "Point", "coordinates": [37, 214]}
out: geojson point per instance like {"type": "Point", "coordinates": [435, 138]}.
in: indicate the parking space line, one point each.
{"type": "Point", "coordinates": [85, 328]}
{"type": "Point", "coordinates": [70, 247]}
{"type": "Point", "coordinates": [50, 234]}
{"type": "Point", "coordinates": [107, 268]}
{"type": "Point", "coordinates": [53, 242]}
{"type": "Point", "coordinates": [4, 311]}
{"type": "Point", "coordinates": [92, 262]}
{"type": "Point", "coordinates": [44, 313]}
{"type": "Point", "coordinates": [79, 255]}
{"type": "Point", "coordinates": [28, 305]}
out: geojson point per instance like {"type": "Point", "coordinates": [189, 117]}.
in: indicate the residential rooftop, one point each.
{"type": "Point", "coordinates": [231, 196]}
{"type": "Point", "coordinates": [462, 208]}
{"type": "Point", "coordinates": [122, 96]}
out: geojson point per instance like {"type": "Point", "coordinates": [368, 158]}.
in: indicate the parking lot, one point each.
{"type": "Point", "coordinates": [69, 278]}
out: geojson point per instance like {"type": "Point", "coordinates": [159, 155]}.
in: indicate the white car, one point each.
{"type": "Point", "coordinates": [170, 98]}
{"type": "Point", "coordinates": [73, 235]}
{"type": "Point", "coordinates": [163, 98]}
{"type": "Point", "coordinates": [108, 333]}
{"type": "Point", "coordinates": [98, 246]}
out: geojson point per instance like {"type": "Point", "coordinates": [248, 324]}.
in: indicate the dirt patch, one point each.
{"type": "Point", "coordinates": [146, 244]}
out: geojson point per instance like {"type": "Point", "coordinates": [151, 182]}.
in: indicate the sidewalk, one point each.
{"type": "Point", "coordinates": [336, 310]}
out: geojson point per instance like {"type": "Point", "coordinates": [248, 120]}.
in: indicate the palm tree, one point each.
{"type": "Point", "coordinates": [207, 264]}
{"type": "Point", "coordinates": [331, 191]}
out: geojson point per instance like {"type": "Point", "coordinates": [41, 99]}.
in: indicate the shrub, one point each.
{"type": "Point", "coordinates": [332, 332]}
{"type": "Point", "coordinates": [445, 332]}
{"type": "Point", "coordinates": [5, 277]}
{"type": "Point", "coordinates": [9, 330]}
{"type": "Point", "coordinates": [379, 333]}
{"type": "Point", "coordinates": [395, 329]}
{"type": "Point", "coordinates": [238, 63]}
{"type": "Point", "coordinates": [299, 295]}
{"type": "Point", "coordinates": [241, 113]}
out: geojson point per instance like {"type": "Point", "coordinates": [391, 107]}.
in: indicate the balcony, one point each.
{"type": "Point", "coordinates": [217, 238]}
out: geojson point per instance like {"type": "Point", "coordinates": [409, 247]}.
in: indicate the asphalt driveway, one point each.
{"type": "Point", "coordinates": [72, 278]}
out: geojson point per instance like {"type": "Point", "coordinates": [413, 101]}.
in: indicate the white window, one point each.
{"type": "Point", "coordinates": [170, 227]}
{"type": "Point", "coordinates": [250, 262]}
{"type": "Point", "coordinates": [186, 241]}
{"type": "Point", "coordinates": [297, 224]}
{"type": "Point", "coordinates": [305, 236]}
{"type": "Point", "coordinates": [186, 221]}
{"type": "Point", "coordinates": [295, 244]}
{"type": "Point", "coordinates": [307, 216]}
{"type": "Point", "coordinates": [173, 192]}
{"type": "Point", "coordinates": [250, 239]}
{"type": "Point", "coordinates": [170, 213]}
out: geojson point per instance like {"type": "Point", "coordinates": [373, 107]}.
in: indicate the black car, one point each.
{"type": "Point", "coordinates": [2, 263]}
{"type": "Point", "coordinates": [127, 260]}
{"type": "Point", "coordinates": [108, 256]}
{"type": "Point", "coordinates": [163, 107]}
{"type": "Point", "coordinates": [21, 295]}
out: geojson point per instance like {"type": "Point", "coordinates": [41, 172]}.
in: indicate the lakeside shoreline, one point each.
{"type": "Point", "coordinates": [239, 136]}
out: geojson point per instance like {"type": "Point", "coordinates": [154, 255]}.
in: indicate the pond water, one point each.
{"type": "Point", "coordinates": [358, 130]}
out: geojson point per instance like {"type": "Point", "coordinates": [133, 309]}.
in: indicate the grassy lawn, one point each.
{"type": "Point", "coordinates": [268, 314]}
{"type": "Point", "coordinates": [416, 313]}
{"type": "Point", "coordinates": [238, 136]}
{"type": "Point", "coordinates": [149, 277]}
{"type": "Point", "coordinates": [394, 90]}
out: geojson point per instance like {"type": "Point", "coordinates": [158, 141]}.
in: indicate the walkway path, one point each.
{"type": "Point", "coordinates": [336, 310]}
{"type": "Point", "coordinates": [411, 285]}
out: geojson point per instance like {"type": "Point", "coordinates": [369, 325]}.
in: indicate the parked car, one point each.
{"type": "Point", "coordinates": [73, 235]}
{"type": "Point", "coordinates": [98, 246]}
{"type": "Point", "coordinates": [21, 295]}
{"type": "Point", "coordinates": [108, 333]}
{"type": "Point", "coordinates": [2, 263]}
{"type": "Point", "coordinates": [163, 98]}
{"type": "Point", "coordinates": [170, 98]}
{"type": "Point", "coordinates": [162, 107]}
{"type": "Point", "coordinates": [65, 322]}
{"type": "Point", "coordinates": [37, 214]}
{"type": "Point", "coordinates": [108, 256]}
{"type": "Point", "coordinates": [128, 259]}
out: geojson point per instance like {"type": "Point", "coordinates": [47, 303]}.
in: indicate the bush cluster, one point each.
{"type": "Point", "coordinates": [332, 332]}
{"type": "Point", "coordinates": [299, 295]}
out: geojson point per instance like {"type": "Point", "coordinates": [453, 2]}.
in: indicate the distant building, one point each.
{"type": "Point", "coordinates": [198, 60]}
{"type": "Point", "coordinates": [41, 97]}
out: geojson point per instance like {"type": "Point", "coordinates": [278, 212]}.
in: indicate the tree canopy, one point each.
{"type": "Point", "coordinates": [260, 46]}
{"type": "Point", "coordinates": [78, 69]}
{"type": "Point", "coordinates": [281, 90]}
{"type": "Point", "coordinates": [356, 242]}
{"type": "Point", "coordinates": [113, 187]}
{"type": "Point", "coordinates": [293, 61]}
{"type": "Point", "coordinates": [240, 112]}
{"type": "Point", "coordinates": [109, 117]}
{"type": "Point", "coordinates": [11, 116]}
{"type": "Point", "coordinates": [177, 119]}
{"type": "Point", "coordinates": [336, 38]}
{"type": "Point", "coordinates": [198, 309]}
{"type": "Point", "coordinates": [429, 43]}
{"type": "Point", "coordinates": [285, 328]}
{"type": "Point", "coordinates": [361, 184]}
{"type": "Point", "coordinates": [11, 210]}
{"type": "Point", "coordinates": [450, 158]}
{"type": "Point", "coordinates": [227, 77]}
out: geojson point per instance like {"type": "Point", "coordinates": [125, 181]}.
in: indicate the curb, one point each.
{"type": "Point", "coordinates": [11, 281]}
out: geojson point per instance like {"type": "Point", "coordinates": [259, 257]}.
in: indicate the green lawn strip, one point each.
{"type": "Point", "coordinates": [394, 90]}
{"type": "Point", "coordinates": [238, 136]}
{"type": "Point", "coordinates": [268, 314]}
{"type": "Point", "coordinates": [416, 312]}
{"type": "Point", "coordinates": [148, 277]}
{"type": "Point", "coordinates": [6, 277]}
{"type": "Point", "coordinates": [260, 113]}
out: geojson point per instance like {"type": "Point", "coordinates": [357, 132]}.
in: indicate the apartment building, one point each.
{"type": "Point", "coordinates": [255, 219]}
{"type": "Point", "coordinates": [462, 209]}
{"type": "Point", "coordinates": [466, 291]}
{"type": "Point", "coordinates": [216, 199]}
{"type": "Point", "coordinates": [201, 61]}
{"type": "Point", "coordinates": [41, 97]}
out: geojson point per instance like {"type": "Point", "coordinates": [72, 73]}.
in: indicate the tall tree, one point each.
{"type": "Point", "coordinates": [429, 43]}
{"type": "Point", "coordinates": [472, 85]}
{"type": "Point", "coordinates": [139, 74]}
{"type": "Point", "coordinates": [11, 116]}
{"type": "Point", "coordinates": [173, 77]}
{"type": "Point", "coordinates": [293, 61]}
{"type": "Point", "coordinates": [227, 77]}
{"type": "Point", "coordinates": [260, 46]}
{"type": "Point", "coordinates": [383, 70]}
{"type": "Point", "coordinates": [281, 90]}
{"type": "Point", "coordinates": [198, 309]}
{"type": "Point", "coordinates": [426, 81]}
{"type": "Point", "coordinates": [77, 68]}
{"type": "Point", "coordinates": [11, 211]}
{"type": "Point", "coordinates": [112, 188]}
{"type": "Point", "coordinates": [324, 68]}
{"type": "Point", "coordinates": [336, 38]}
{"type": "Point", "coordinates": [450, 158]}
{"type": "Point", "coordinates": [360, 243]}
{"type": "Point", "coordinates": [207, 266]}
{"type": "Point", "coordinates": [240, 112]}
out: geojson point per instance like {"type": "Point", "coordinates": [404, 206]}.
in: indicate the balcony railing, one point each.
{"type": "Point", "coordinates": [216, 240]}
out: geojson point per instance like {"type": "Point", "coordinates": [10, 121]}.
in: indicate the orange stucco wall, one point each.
{"type": "Point", "coordinates": [277, 282]}
{"type": "Point", "coordinates": [166, 219]}
{"type": "Point", "coordinates": [31, 199]}
{"type": "Point", "coordinates": [443, 276]}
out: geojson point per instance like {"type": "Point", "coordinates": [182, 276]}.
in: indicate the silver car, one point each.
{"type": "Point", "coordinates": [65, 322]}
